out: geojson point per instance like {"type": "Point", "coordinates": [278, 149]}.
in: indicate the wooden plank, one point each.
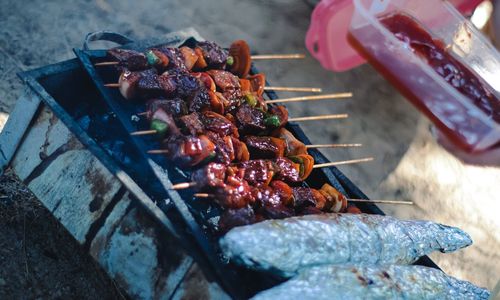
{"type": "Point", "coordinates": [138, 254]}
{"type": "Point", "coordinates": [196, 286]}
{"type": "Point", "coordinates": [14, 129]}
{"type": "Point", "coordinates": [94, 206]}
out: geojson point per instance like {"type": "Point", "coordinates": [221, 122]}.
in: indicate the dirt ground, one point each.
{"type": "Point", "coordinates": [38, 265]}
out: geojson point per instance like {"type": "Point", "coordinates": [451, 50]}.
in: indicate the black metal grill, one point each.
{"type": "Point", "coordinates": [102, 121]}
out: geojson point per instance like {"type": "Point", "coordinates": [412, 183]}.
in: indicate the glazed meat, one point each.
{"type": "Point", "coordinates": [214, 55]}
{"type": "Point", "coordinates": [249, 119]}
{"type": "Point", "coordinates": [236, 217]}
{"type": "Point", "coordinates": [192, 124]}
{"type": "Point", "coordinates": [286, 170]}
{"type": "Point", "coordinates": [218, 124]}
{"type": "Point", "coordinates": [212, 175]}
{"type": "Point", "coordinates": [176, 107]}
{"type": "Point", "coordinates": [258, 171]}
{"type": "Point", "coordinates": [224, 151]}
{"type": "Point", "coordinates": [175, 57]}
{"type": "Point", "coordinates": [265, 147]}
{"type": "Point", "coordinates": [129, 59]}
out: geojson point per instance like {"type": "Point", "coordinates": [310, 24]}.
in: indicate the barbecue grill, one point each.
{"type": "Point", "coordinates": [130, 190]}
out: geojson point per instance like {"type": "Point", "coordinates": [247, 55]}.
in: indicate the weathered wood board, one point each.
{"type": "Point", "coordinates": [96, 208]}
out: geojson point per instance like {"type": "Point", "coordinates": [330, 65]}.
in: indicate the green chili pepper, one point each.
{"type": "Point", "coordinates": [160, 127]}
{"type": "Point", "coordinates": [152, 58]}
{"type": "Point", "coordinates": [230, 60]}
{"type": "Point", "coordinates": [250, 99]}
{"type": "Point", "coordinates": [272, 121]}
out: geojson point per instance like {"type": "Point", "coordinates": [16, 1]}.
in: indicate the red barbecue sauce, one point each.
{"type": "Point", "coordinates": [434, 53]}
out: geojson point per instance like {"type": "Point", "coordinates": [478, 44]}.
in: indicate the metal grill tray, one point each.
{"type": "Point", "coordinates": [102, 121]}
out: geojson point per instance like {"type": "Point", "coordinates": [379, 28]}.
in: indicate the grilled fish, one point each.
{"type": "Point", "coordinates": [373, 282]}
{"type": "Point", "coordinates": [288, 245]}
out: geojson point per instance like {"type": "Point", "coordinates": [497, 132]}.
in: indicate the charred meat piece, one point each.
{"type": "Point", "coordinates": [187, 85]}
{"type": "Point", "coordinates": [224, 151]}
{"type": "Point", "coordinates": [176, 107]}
{"type": "Point", "coordinates": [199, 101]}
{"type": "Point", "coordinates": [150, 85]}
{"type": "Point", "coordinates": [188, 151]}
{"type": "Point", "coordinates": [266, 196]}
{"type": "Point", "coordinates": [287, 170]}
{"type": "Point", "coordinates": [129, 59]}
{"type": "Point", "coordinates": [265, 147]}
{"type": "Point", "coordinates": [229, 85]}
{"type": "Point", "coordinates": [303, 197]}
{"type": "Point", "coordinates": [236, 193]}
{"type": "Point", "coordinates": [129, 82]}
{"type": "Point", "coordinates": [214, 55]}
{"type": "Point", "coordinates": [192, 124]}
{"type": "Point", "coordinates": [175, 57]}
{"type": "Point", "coordinates": [236, 217]}
{"type": "Point", "coordinates": [276, 212]}
{"type": "Point", "coordinates": [218, 124]}
{"type": "Point", "coordinates": [258, 171]}
{"type": "Point", "coordinates": [284, 191]}
{"type": "Point", "coordinates": [212, 175]}
{"type": "Point", "coordinates": [250, 120]}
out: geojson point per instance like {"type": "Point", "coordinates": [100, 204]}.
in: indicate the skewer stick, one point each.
{"type": "Point", "coordinates": [107, 63]}
{"type": "Point", "coordinates": [292, 89]}
{"type": "Point", "coordinates": [205, 195]}
{"type": "Point", "coordinates": [333, 146]}
{"type": "Point", "coordinates": [314, 118]}
{"type": "Point", "coordinates": [112, 85]}
{"type": "Point", "coordinates": [267, 88]}
{"type": "Point", "coordinates": [380, 201]}
{"type": "Point", "coordinates": [159, 151]}
{"type": "Point", "coordinates": [254, 57]}
{"type": "Point", "coordinates": [311, 98]}
{"type": "Point", "coordinates": [186, 185]}
{"type": "Point", "coordinates": [311, 118]}
{"type": "Point", "coordinates": [278, 56]}
{"type": "Point", "coordinates": [144, 132]}
{"type": "Point", "coordinates": [183, 185]}
{"type": "Point", "coordinates": [344, 162]}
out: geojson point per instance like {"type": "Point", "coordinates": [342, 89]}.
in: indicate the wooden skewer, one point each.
{"type": "Point", "coordinates": [267, 88]}
{"type": "Point", "coordinates": [186, 185]}
{"type": "Point", "coordinates": [144, 132]}
{"type": "Point", "coordinates": [344, 162]}
{"type": "Point", "coordinates": [112, 85]}
{"type": "Point", "coordinates": [311, 118]}
{"type": "Point", "coordinates": [254, 57]}
{"type": "Point", "coordinates": [380, 201]}
{"type": "Point", "coordinates": [158, 151]}
{"type": "Point", "coordinates": [278, 56]}
{"type": "Point", "coordinates": [311, 98]}
{"type": "Point", "coordinates": [322, 117]}
{"type": "Point", "coordinates": [183, 185]}
{"type": "Point", "coordinates": [163, 151]}
{"type": "Point", "coordinates": [333, 146]}
{"type": "Point", "coordinates": [206, 195]}
{"type": "Point", "coordinates": [292, 89]}
{"type": "Point", "coordinates": [107, 63]}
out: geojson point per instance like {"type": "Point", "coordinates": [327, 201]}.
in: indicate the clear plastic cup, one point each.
{"type": "Point", "coordinates": [455, 115]}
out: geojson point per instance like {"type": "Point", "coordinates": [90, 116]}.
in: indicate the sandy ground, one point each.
{"type": "Point", "coordinates": [409, 165]}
